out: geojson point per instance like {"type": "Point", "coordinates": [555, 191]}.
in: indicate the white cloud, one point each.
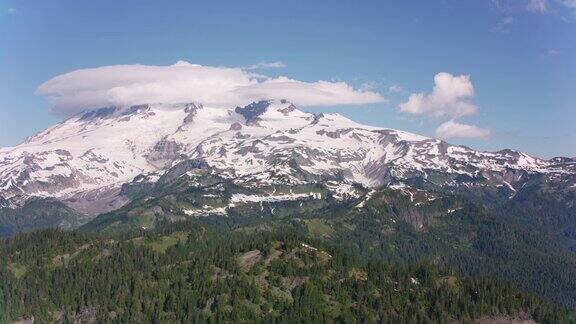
{"type": "Point", "coordinates": [540, 6]}
{"type": "Point", "coordinates": [319, 93]}
{"type": "Point", "coordinates": [266, 65]}
{"type": "Point", "coordinates": [450, 97]}
{"type": "Point", "coordinates": [184, 82]}
{"type": "Point", "coordinates": [553, 52]}
{"type": "Point", "coordinates": [12, 11]}
{"type": "Point", "coordinates": [452, 129]}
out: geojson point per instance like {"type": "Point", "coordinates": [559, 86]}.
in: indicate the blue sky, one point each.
{"type": "Point", "coordinates": [518, 55]}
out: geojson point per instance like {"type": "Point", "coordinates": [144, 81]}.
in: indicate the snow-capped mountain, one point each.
{"type": "Point", "coordinates": [86, 159]}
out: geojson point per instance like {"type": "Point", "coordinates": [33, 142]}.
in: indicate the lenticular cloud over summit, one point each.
{"type": "Point", "coordinates": [185, 82]}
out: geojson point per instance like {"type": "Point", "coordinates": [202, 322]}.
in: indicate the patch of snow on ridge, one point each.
{"type": "Point", "coordinates": [405, 136]}
{"type": "Point", "coordinates": [242, 198]}
{"type": "Point", "coordinates": [341, 190]}
{"type": "Point", "coordinates": [402, 187]}
{"type": "Point", "coordinates": [368, 196]}
{"type": "Point", "coordinates": [450, 211]}
{"type": "Point", "coordinates": [206, 210]}
{"type": "Point", "coordinates": [304, 245]}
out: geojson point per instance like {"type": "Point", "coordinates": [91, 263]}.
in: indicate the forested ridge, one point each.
{"type": "Point", "coordinates": [197, 272]}
{"type": "Point", "coordinates": [450, 231]}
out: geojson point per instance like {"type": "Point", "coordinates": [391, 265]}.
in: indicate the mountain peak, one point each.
{"type": "Point", "coordinates": [267, 141]}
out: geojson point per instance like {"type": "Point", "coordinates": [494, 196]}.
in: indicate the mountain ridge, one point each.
{"type": "Point", "coordinates": [94, 153]}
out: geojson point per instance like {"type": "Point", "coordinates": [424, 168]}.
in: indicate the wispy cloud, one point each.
{"type": "Point", "coordinates": [539, 6]}
{"type": "Point", "coordinates": [503, 26]}
{"type": "Point", "coordinates": [570, 4]}
{"type": "Point", "coordinates": [512, 7]}
{"type": "Point", "coordinates": [395, 88]}
{"type": "Point", "coordinates": [553, 52]}
{"type": "Point", "coordinates": [369, 86]}
{"type": "Point", "coordinates": [497, 4]}
{"type": "Point", "coordinates": [266, 65]}
{"type": "Point", "coordinates": [184, 82]}
{"type": "Point", "coordinates": [11, 11]}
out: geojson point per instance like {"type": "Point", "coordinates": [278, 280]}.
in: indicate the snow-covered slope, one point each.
{"type": "Point", "coordinates": [90, 155]}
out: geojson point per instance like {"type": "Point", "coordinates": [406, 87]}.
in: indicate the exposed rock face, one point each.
{"type": "Point", "coordinates": [98, 113]}
{"type": "Point", "coordinates": [163, 153]}
{"type": "Point", "coordinates": [191, 109]}
{"type": "Point", "coordinates": [94, 202]}
{"type": "Point", "coordinates": [252, 112]}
